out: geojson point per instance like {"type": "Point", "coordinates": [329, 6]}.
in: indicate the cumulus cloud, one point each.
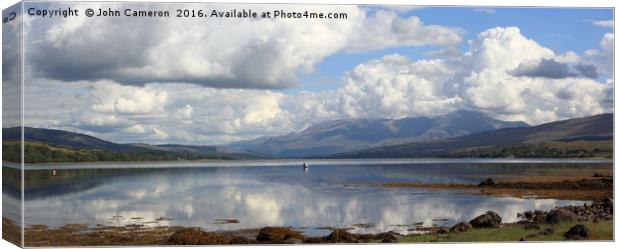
{"type": "Point", "coordinates": [213, 91]}
{"type": "Point", "coordinates": [603, 57]}
{"type": "Point", "coordinates": [587, 70]}
{"type": "Point", "coordinates": [545, 68]}
{"type": "Point", "coordinates": [503, 49]}
{"type": "Point", "coordinates": [387, 29]}
{"type": "Point", "coordinates": [481, 79]}
{"type": "Point", "coordinates": [396, 87]}
{"type": "Point", "coordinates": [570, 64]}
{"type": "Point", "coordinates": [223, 53]}
{"type": "Point", "coordinates": [158, 113]}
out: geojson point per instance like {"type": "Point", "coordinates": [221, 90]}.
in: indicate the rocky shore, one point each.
{"type": "Point", "coordinates": [596, 212]}
{"type": "Point", "coordinates": [560, 223]}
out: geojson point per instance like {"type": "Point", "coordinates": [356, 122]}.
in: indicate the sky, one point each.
{"type": "Point", "coordinates": [215, 81]}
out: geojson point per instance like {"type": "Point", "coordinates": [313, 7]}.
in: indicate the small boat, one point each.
{"type": "Point", "coordinates": [306, 165]}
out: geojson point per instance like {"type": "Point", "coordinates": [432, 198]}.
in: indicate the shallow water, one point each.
{"type": "Point", "coordinates": [326, 195]}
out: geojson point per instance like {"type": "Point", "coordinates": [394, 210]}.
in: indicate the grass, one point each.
{"type": "Point", "coordinates": [600, 231]}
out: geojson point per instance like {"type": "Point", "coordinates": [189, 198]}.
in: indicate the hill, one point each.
{"type": "Point", "coordinates": [567, 138]}
{"type": "Point", "coordinates": [49, 145]}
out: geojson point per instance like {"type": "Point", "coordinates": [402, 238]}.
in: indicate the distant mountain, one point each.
{"type": "Point", "coordinates": [348, 135]}
{"type": "Point", "coordinates": [76, 141]}
{"type": "Point", "coordinates": [594, 128]}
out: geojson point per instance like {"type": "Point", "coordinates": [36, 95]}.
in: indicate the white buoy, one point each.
{"type": "Point", "coordinates": [53, 172]}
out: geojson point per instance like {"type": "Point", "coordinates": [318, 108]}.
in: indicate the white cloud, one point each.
{"type": "Point", "coordinates": [387, 29]}
{"type": "Point", "coordinates": [604, 23]}
{"type": "Point", "coordinates": [502, 49]}
{"type": "Point", "coordinates": [111, 98]}
{"type": "Point", "coordinates": [223, 53]}
{"type": "Point", "coordinates": [481, 79]}
{"type": "Point", "coordinates": [135, 129]}
{"type": "Point", "coordinates": [603, 57]}
{"type": "Point", "coordinates": [185, 113]}
{"type": "Point", "coordinates": [393, 86]}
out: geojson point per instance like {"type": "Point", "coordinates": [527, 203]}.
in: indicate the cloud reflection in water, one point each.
{"type": "Point", "coordinates": [273, 196]}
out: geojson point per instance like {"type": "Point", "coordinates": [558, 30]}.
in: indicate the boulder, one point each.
{"type": "Point", "coordinates": [487, 182]}
{"type": "Point", "coordinates": [608, 203]}
{"type": "Point", "coordinates": [341, 236]}
{"type": "Point", "coordinates": [539, 217]}
{"type": "Point", "coordinates": [577, 232]}
{"type": "Point", "coordinates": [277, 235]}
{"type": "Point", "coordinates": [488, 220]}
{"type": "Point", "coordinates": [460, 227]}
{"type": "Point", "coordinates": [561, 215]}
{"type": "Point", "coordinates": [389, 237]}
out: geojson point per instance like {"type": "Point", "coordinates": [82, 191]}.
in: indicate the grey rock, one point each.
{"type": "Point", "coordinates": [488, 220]}
{"type": "Point", "coordinates": [577, 232]}
{"type": "Point", "coordinates": [561, 215]}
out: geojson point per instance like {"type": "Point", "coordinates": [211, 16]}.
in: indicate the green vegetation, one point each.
{"type": "Point", "coordinates": [577, 149]}
{"type": "Point", "coordinates": [45, 153]}
{"type": "Point", "coordinates": [600, 231]}
{"type": "Point", "coordinates": [11, 151]}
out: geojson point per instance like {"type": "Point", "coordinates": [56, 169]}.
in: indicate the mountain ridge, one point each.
{"type": "Point", "coordinates": [592, 128]}
{"type": "Point", "coordinates": [353, 134]}
{"type": "Point", "coordinates": [598, 129]}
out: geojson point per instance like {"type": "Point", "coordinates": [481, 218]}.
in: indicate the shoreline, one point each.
{"type": "Point", "coordinates": [298, 162]}
{"type": "Point", "coordinates": [591, 188]}
{"type": "Point", "coordinates": [553, 227]}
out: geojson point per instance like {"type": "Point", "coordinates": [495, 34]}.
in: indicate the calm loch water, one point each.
{"type": "Point", "coordinates": [329, 194]}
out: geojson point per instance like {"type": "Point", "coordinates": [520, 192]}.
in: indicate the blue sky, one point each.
{"type": "Point", "coordinates": [559, 29]}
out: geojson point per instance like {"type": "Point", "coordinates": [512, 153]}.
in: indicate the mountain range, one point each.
{"type": "Point", "coordinates": [579, 135]}
{"type": "Point", "coordinates": [356, 134]}
{"type": "Point", "coordinates": [461, 133]}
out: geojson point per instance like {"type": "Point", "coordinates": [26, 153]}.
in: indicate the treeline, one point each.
{"type": "Point", "coordinates": [534, 151]}
{"type": "Point", "coordinates": [43, 153]}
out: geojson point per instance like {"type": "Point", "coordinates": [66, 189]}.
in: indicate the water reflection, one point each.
{"type": "Point", "coordinates": [263, 196]}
